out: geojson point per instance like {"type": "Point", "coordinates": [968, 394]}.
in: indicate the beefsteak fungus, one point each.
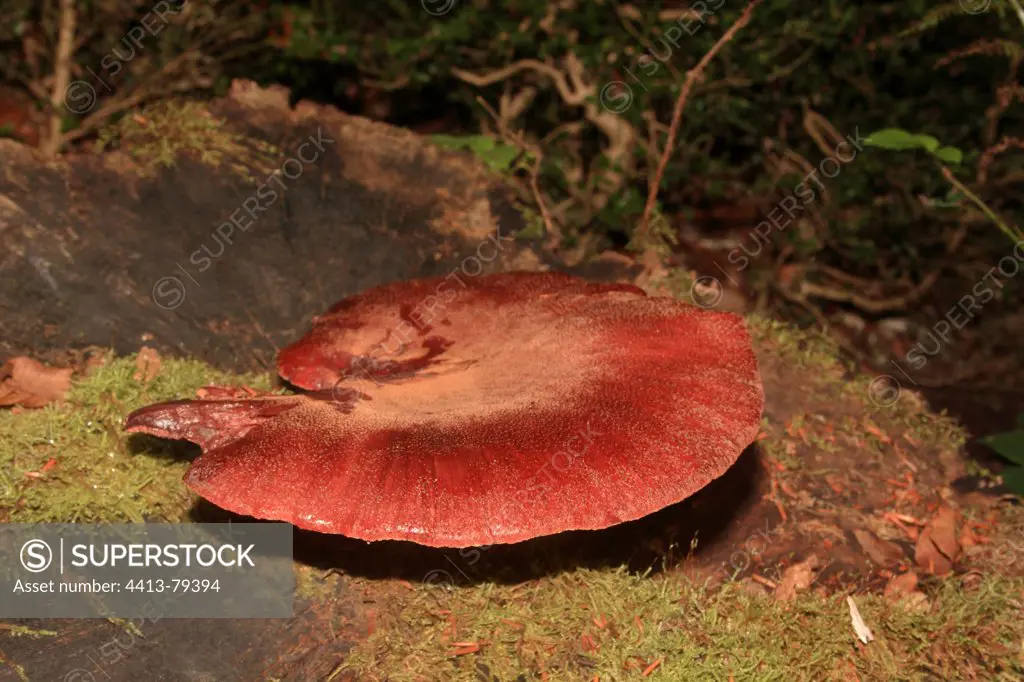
{"type": "Point", "coordinates": [481, 410]}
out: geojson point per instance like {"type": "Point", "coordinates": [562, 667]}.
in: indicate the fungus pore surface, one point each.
{"type": "Point", "coordinates": [473, 411]}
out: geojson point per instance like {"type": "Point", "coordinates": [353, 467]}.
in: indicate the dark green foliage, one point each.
{"type": "Point", "coordinates": [748, 133]}
{"type": "Point", "coordinates": [1010, 446]}
{"type": "Point", "coordinates": [862, 67]}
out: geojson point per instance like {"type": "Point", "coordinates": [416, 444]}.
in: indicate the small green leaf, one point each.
{"type": "Point", "coordinates": [496, 155]}
{"type": "Point", "coordinates": [892, 138]}
{"type": "Point", "coordinates": [949, 155]}
{"type": "Point", "coordinates": [500, 157]}
{"type": "Point", "coordinates": [1009, 445]}
{"type": "Point", "coordinates": [899, 139]}
{"type": "Point", "coordinates": [449, 141]}
{"type": "Point", "coordinates": [533, 229]}
{"type": "Point", "coordinates": [481, 144]}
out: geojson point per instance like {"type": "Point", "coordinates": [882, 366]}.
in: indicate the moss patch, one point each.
{"type": "Point", "coordinates": [73, 463]}
{"type": "Point", "coordinates": [876, 399]}
{"type": "Point", "coordinates": [161, 132]}
{"type": "Point", "coordinates": [611, 625]}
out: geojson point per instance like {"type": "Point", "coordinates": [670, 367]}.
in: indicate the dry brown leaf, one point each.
{"type": "Point", "coordinates": [147, 365]}
{"type": "Point", "coordinates": [903, 589]}
{"type": "Point", "coordinates": [882, 552]}
{"type": "Point", "coordinates": [29, 383]}
{"type": "Point", "coordinates": [796, 578]}
{"type": "Point", "coordinates": [901, 585]}
{"type": "Point", "coordinates": [938, 548]}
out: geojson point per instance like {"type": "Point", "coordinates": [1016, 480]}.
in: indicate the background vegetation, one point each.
{"type": "Point", "coordinates": [553, 77]}
{"type": "Point", "coordinates": [573, 101]}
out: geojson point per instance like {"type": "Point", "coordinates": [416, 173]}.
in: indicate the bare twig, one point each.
{"type": "Point", "coordinates": [388, 86]}
{"type": "Point", "coordinates": [575, 91]}
{"type": "Point", "coordinates": [807, 290]}
{"type": "Point", "coordinates": [989, 155]}
{"type": "Point", "coordinates": [510, 109]}
{"type": "Point", "coordinates": [692, 76]}
{"type": "Point", "coordinates": [61, 76]}
{"type": "Point", "coordinates": [1014, 233]}
{"type": "Point", "coordinates": [819, 129]}
{"type": "Point", "coordinates": [627, 16]}
{"type": "Point", "coordinates": [554, 233]}
{"type": "Point", "coordinates": [492, 77]}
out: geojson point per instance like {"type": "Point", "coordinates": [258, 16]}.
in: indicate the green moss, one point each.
{"type": "Point", "coordinates": [73, 463]}
{"type": "Point", "coordinates": [161, 132]}
{"type": "Point", "coordinates": [314, 584]}
{"type": "Point", "coordinates": [126, 625]}
{"type": "Point", "coordinates": [659, 237]}
{"type": "Point", "coordinates": [679, 284]}
{"type": "Point", "coordinates": [25, 631]}
{"type": "Point", "coordinates": [14, 667]}
{"type": "Point", "coordinates": [808, 348]}
{"type": "Point", "coordinates": [534, 226]}
{"type": "Point", "coordinates": [612, 625]}
{"type": "Point", "coordinates": [869, 399]}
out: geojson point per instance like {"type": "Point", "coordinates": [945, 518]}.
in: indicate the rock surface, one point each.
{"type": "Point", "coordinates": [225, 261]}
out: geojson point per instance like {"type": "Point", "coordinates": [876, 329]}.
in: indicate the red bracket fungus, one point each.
{"type": "Point", "coordinates": [480, 411]}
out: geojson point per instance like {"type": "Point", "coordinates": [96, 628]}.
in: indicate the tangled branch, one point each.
{"type": "Point", "coordinates": [692, 76]}
{"type": "Point", "coordinates": [574, 90]}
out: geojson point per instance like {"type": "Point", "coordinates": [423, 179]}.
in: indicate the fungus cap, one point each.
{"type": "Point", "coordinates": [486, 410]}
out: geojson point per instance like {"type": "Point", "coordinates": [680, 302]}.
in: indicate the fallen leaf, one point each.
{"type": "Point", "coordinates": [902, 589]}
{"type": "Point", "coordinates": [861, 629]}
{"type": "Point", "coordinates": [907, 519]}
{"type": "Point", "coordinates": [650, 669]}
{"type": "Point", "coordinates": [901, 585]}
{"type": "Point", "coordinates": [757, 585]}
{"type": "Point", "coordinates": [464, 648]}
{"type": "Point", "coordinates": [147, 364]}
{"type": "Point", "coordinates": [969, 539]}
{"type": "Point", "coordinates": [29, 383]}
{"type": "Point", "coordinates": [937, 547]}
{"type": "Point", "coordinates": [50, 465]}
{"type": "Point", "coordinates": [882, 552]}
{"type": "Point", "coordinates": [877, 433]}
{"type": "Point", "coordinates": [796, 578]}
